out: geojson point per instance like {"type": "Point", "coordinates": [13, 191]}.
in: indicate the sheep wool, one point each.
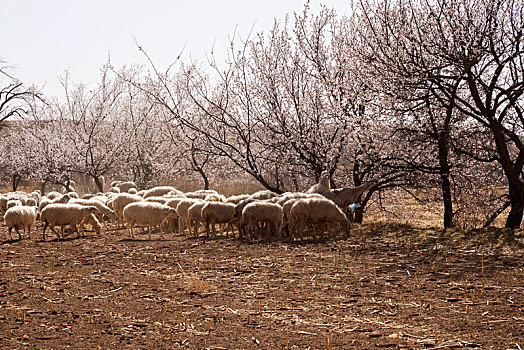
{"type": "Point", "coordinates": [20, 217]}
{"type": "Point", "coordinates": [146, 214]}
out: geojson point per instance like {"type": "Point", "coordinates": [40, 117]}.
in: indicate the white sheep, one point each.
{"type": "Point", "coordinates": [160, 191]}
{"type": "Point", "coordinates": [59, 214]}
{"type": "Point", "coordinates": [267, 213]}
{"type": "Point", "coordinates": [264, 194]}
{"type": "Point", "coordinates": [147, 214]}
{"type": "Point", "coordinates": [322, 185]}
{"type": "Point", "coordinates": [102, 208]}
{"type": "Point", "coordinates": [215, 197]}
{"type": "Point", "coordinates": [196, 195]}
{"type": "Point", "coordinates": [30, 202]}
{"type": "Point", "coordinates": [3, 203]}
{"type": "Point", "coordinates": [20, 217]}
{"type": "Point", "coordinates": [181, 209]}
{"type": "Point", "coordinates": [56, 199]}
{"type": "Point", "coordinates": [157, 199]}
{"type": "Point", "coordinates": [126, 186]}
{"type": "Point", "coordinates": [113, 190]}
{"type": "Point", "coordinates": [218, 213]}
{"type": "Point", "coordinates": [53, 195]}
{"type": "Point", "coordinates": [315, 211]}
{"type": "Point", "coordinates": [194, 215]}
{"type": "Point", "coordinates": [13, 203]}
{"type": "Point", "coordinates": [119, 202]}
{"type": "Point", "coordinates": [236, 199]}
{"type": "Point", "coordinates": [94, 223]}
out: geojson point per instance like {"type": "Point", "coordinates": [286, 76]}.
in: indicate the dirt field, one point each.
{"type": "Point", "coordinates": [386, 286]}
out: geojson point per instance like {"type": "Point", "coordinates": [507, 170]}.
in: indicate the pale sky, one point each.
{"type": "Point", "coordinates": [44, 38]}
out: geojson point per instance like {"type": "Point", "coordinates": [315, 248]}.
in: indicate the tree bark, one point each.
{"type": "Point", "coordinates": [444, 171]}
{"type": "Point", "coordinates": [98, 183]}
{"type": "Point", "coordinates": [16, 181]}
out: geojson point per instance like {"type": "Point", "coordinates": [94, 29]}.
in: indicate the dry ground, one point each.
{"type": "Point", "coordinates": [386, 286]}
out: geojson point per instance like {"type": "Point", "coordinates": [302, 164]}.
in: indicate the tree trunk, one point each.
{"type": "Point", "coordinates": [98, 184]}
{"type": "Point", "coordinates": [517, 205]}
{"type": "Point", "coordinates": [444, 171]}
{"type": "Point", "coordinates": [16, 181]}
{"type": "Point", "coordinates": [204, 177]}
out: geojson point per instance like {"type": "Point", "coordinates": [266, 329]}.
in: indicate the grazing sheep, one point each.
{"type": "Point", "coordinates": [239, 207]}
{"type": "Point", "coordinates": [59, 214]}
{"type": "Point", "coordinates": [218, 213]}
{"type": "Point", "coordinates": [13, 203]}
{"type": "Point", "coordinates": [147, 214]}
{"type": "Point", "coordinates": [322, 185]}
{"type": "Point", "coordinates": [262, 212]}
{"type": "Point", "coordinates": [119, 202]}
{"type": "Point", "coordinates": [315, 211]}
{"type": "Point", "coordinates": [181, 209]}
{"type": "Point", "coordinates": [236, 199]}
{"type": "Point", "coordinates": [347, 195]}
{"type": "Point", "coordinates": [265, 194]}
{"type": "Point", "coordinates": [160, 191]}
{"type": "Point", "coordinates": [20, 217]}
{"type": "Point", "coordinates": [102, 208]}
{"type": "Point", "coordinates": [194, 215]}
{"type": "Point", "coordinates": [94, 223]}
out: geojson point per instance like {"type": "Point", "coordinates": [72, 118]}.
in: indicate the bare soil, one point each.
{"type": "Point", "coordinates": [385, 286]}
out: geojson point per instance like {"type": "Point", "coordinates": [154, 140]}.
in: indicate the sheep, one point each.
{"type": "Point", "coordinates": [119, 202]}
{"type": "Point", "coordinates": [125, 186]}
{"type": "Point", "coordinates": [3, 203]}
{"type": "Point", "coordinates": [30, 202]}
{"type": "Point", "coordinates": [114, 190]}
{"type": "Point", "coordinates": [20, 217]}
{"type": "Point", "coordinates": [239, 207]}
{"type": "Point", "coordinates": [236, 199]}
{"type": "Point", "coordinates": [147, 213]}
{"type": "Point", "coordinates": [315, 211]}
{"type": "Point", "coordinates": [102, 208]}
{"type": "Point", "coordinates": [13, 203]}
{"type": "Point", "coordinates": [322, 185]}
{"type": "Point", "coordinates": [194, 215]}
{"type": "Point", "coordinates": [347, 195]}
{"type": "Point", "coordinates": [159, 191]}
{"type": "Point", "coordinates": [262, 212]}
{"type": "Point", "coordinates": [181, 210]}
{"type": "Point", "coordinates": [161, 200]}
{"type": "Point", "coordinates": [58, 214]}
{"type": "Point", "coordinates": [46, 201]}
{"type": "Point", "coordinates": [53, 195]}
{"type": "Point", "coordinates": [195, 195]}
{"type": "Point", "coordinates": [93, 221]}
{"type": "Point", "coordinates": [265, 194]}
{"type": "Point", "coordinates": [215, 197]}
{"type": "Point", "coordinates": [218, 213]}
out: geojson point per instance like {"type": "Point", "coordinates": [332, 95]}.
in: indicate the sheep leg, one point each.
{"type": "Point", "coordinates": [43, 231]}
{"type": "Point", "coordinates": [56, 233]}
{"type": "Point", "coordinates": [10, 235]}
{"type": "Point", "coordinates": [19, 234]}
{"type": "Point", "coordinates": [150, 229]}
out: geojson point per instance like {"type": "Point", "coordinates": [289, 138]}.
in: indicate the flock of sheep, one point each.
{"type": "Point", "coordinates": [262, 215]}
